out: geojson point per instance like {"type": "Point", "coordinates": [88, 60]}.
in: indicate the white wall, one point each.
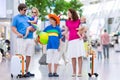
{"type": "Point", "coordinates": [2, 8]}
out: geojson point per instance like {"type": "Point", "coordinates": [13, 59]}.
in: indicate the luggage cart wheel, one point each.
{"type": "Point", "coordinates": [89, 75]}
{"type": "Point", "coordinates": [11, 75]}
{"type": "Point", "coordinates": [96, 75]}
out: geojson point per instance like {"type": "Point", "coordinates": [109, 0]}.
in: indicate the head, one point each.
{"type": "Point", "coordinates": [98, 44]}
{"type": "Point", "coordinates": [105, 30]}
{"type": "Point", "coordinates": [54, 19]}
{"type": "Point", "coordinates": [22, 8]}
{"type": "Point", "coordinates": [83, 19]}
{"type": "Point", "coordinates": [82, 30]}
{"type": "Point", "coordinates": [35, 11]}
{"type": "Point", "coordinates": [72, 14]}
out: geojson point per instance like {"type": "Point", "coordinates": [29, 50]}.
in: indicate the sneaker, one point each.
{"type": "Point", "coordinates": [30, 74]}
{"type": "Point", "coordinates": [26, 75]}
{"type": "Point", "coordinates": [50, 75]}
{"type": "Point", "coordinates": [55, 75]}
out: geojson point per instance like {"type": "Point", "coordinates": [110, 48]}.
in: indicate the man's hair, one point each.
{"type": "Point", "coordinates": [21, 6]}
{"type": "Point", "coordinates": [105, 30]}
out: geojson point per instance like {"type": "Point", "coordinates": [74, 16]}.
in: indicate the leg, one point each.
{"type": "Point", "coordinates": [98, 55]}
{"type": "Point", "coordinates": [55, 68]}
{"type": "Point", "coordinates": [80, 65]}
{"type": "Point", "coordinates": [28, 58]}
{"type": "Point", "coordinates": [50, 67]}
{"type": "Point", "coordinates": [50, 70]}
{"type": "Point", "coordinates": [29, 50]}
{"type": "Point", "coordinates": [101, 55]}
{"type": "Point", "coordinates": [107, 51]}
{"type": "Point", "coordinates": [74, 65]}
{"type": "Point", "coordinates": [104, 51]}
{"type": "Point", "coordinates": [27, 31]}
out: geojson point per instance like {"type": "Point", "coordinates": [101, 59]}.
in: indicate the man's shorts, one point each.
{"type": "Point", "coordinates": [25, 46]}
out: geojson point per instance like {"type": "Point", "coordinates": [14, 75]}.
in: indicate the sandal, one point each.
{"type": "Point", "coordinates": [79, 75]}
{"type": "Point", "coordinates": [73, 75]}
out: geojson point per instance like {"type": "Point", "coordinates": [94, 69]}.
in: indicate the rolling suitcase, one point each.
{"type": "Point", "coordinates": [17, 66]}
{"type": "Point", "coordinates": [92, 63]}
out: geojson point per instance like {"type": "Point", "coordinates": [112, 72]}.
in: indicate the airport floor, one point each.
{"type": "Point", "coordinates": [108, 69]}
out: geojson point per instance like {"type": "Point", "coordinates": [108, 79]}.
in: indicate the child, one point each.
{"type": "Point", "coordinates": [54, 44]}
{"type": "Point", "coordinates": [82, 29]}
{"type": "Point", "coordinates": [64, 45]}
{"type": "Point", "coordinates": [33, 20]}
{"type": "Point", "coordinates": [99, 50]}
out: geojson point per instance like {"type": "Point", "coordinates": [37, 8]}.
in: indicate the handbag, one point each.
{"type": "Point", "coordinates": [42, 60]}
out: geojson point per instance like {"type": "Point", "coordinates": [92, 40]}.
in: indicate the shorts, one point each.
{"type": "Point", "coordinates": [25, 46]}
{"type": "Point", "coordinates": [53, 56]}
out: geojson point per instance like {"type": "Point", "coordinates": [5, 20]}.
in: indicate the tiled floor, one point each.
{"type": "Point", "coordinates": [107, 69]}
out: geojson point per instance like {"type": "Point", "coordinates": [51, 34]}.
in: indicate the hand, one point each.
{"type": "Point", "coordinates": [19, 35]}
{"type": "Point", "coordinates": [77, 28]}
{"type": "Point", "coordinates": [59, 49]}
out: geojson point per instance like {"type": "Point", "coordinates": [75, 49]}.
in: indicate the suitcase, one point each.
{"type": "Point", "coordinates": [92, 63]}
{"type": "Point", "coordinates": [17, 66]}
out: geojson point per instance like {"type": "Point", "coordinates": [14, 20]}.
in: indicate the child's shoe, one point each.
{"type": "Point", "coordinates": [55, 75]}
{"type": "Point", "coordinates": [50, 75]}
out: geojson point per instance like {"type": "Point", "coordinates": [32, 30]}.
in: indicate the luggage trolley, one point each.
{"type": "Point", "coordinates": [92, 57]}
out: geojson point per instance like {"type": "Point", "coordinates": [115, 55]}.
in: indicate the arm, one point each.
{"type": "Point", "coordinates": [34, 21]}
{"type": "Point", "coordinates": [60, 45]}
{"type": "Point", "coordinates": [66, 31]}
{"type": "Point", "coordinates": [16, 32]}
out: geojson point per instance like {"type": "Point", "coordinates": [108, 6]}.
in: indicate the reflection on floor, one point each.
{"type": "Point", "coordinates": [107, 69]}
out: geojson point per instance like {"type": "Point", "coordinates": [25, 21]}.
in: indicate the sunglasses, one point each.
{"type": "Point", "coordinates": [34, 12]}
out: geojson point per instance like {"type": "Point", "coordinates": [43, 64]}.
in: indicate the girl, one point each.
{"type": "Point", "coordinates": [33, 20]}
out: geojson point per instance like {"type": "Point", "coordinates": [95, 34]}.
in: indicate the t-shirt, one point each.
{"type": "Point", "coordinates": [105, 39]}
{"type": "Point", "coordinates": [21, 24]}
{"type": "Point", "coordinates": [32, 19]}
{"type": "Point", "coordinates": [54, 36]}
{"type": "Point", "coordinates": [72, 26]}
{"type": "Point", "coordinates": [34, 25]}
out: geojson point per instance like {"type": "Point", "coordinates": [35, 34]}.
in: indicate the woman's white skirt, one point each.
{"type": "Point", "coordinates": [75, 48]}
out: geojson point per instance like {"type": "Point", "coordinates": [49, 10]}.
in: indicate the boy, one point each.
{"type": "Point", "coordinates": [54, 44]}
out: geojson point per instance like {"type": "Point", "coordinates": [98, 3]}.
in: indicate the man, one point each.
{"type": "Point", "coordinates": [105, 42]}
{"type": "Point", "coordinates": [25, 46]}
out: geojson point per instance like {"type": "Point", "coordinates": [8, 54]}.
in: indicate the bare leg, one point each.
{"type": "Point", "coordinates": [74, 65]}
{"type": "Point", "coordinates": [55, 68]}
{"type": "Point", "coordinates": [27, 31]}
{"type": "Point", "coordinates": [50, 67]}
{"type": "Point", "coordinates": [80, 65]}
{"type": "Point", "coordinates": [28, 58]}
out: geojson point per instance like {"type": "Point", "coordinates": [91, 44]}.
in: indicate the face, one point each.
{"type": "Point", "coordinates": [34, 12]}
{"type": "Point", "coordinates": [52, 21]}
{"type": "Point", "coordinates": [69, 14]}
{"type": "Point", "coordinates": [23, 11]}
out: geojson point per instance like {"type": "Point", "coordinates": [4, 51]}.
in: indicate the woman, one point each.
{"type": "Point", "coordinates": [75, 45]}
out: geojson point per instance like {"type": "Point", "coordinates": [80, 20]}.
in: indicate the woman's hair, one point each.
{"type": "Point", "coordinates": [21, 6]}
{"type": "Point", "coordinates": [74, 14]}
{"type": "Point", "coordinates": [37, 12]}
